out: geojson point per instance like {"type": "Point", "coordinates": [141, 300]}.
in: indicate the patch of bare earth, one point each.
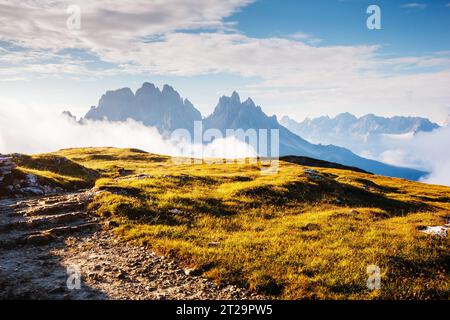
{"type": "Point", "coordinates": [46, 242]}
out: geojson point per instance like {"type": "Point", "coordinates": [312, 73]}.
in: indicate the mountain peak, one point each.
{"type": "Point", "coordinates": [122, 91]}
{"type": "Point", "coordinates": [165, 109]}
{"type": "Point", "coordinates": [147, 89]}
{"type": "Point", "coordinates": [346, 115]}
{"type": "Point", "coordinates": [235, 97]}
{"type": "Point", "coordinates": [168, 88]}
{"type": "Point", "coordinates": [249, 102]}
{"type": "Point", "coordinates": [148, 85]}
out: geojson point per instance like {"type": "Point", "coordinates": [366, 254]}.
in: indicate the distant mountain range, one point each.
{"type": "Point", "coordinates": [357, 134]}
{"type": "Point", "coordinates": [167, 111]}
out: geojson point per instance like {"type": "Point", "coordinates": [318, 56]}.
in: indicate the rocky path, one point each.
{"type": "Point", "coordinates": [51, 248]}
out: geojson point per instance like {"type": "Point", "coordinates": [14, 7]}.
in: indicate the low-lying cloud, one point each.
{"type": "Point", "coordinates": [429, 151]}
{"type": "Point", "coordinates": [34, 131]}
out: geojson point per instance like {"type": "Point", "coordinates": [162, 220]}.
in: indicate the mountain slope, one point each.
{"type": "Point", "coordinates": [231, 113]}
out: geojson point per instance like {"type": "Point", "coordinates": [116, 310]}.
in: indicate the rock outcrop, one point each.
{"type": "Point", "coordinates": [17, 183]}
{"type": "Point", "coordinates": [6, 166]}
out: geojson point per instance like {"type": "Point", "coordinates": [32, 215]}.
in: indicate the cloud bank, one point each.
{"type": "Point", "coordinates": [35, 131]}
{"type": "Point", "coordinates": [425, 150]}
{"type": "Point", "coordinates": [31, 131]}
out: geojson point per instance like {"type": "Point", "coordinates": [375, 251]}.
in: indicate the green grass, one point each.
{"type": "Point", "coordinates": [289, 235]}
{"type": "Point", "coordinates": [55, 170]}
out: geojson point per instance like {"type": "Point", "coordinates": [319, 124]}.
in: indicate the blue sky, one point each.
{"type": "Point", "coordinates": [408, 27]}
{"type": "Point", "coordinates": [300, 58]}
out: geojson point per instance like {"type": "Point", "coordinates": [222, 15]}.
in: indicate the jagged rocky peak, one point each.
{"type": "Point", "coordinates": [349, 125]}
{"type": "Point", "coordinates": [169, 90]}
{"type": "Point", "coordinates": [235, 97]}
{"type": "Point", "coordinates": [249, 102]}
{"type": "Point", "coordinates": [148, 85]}
{"type": "Point", "coordinates": [233, 103]}
{"type": "Point", "coordinates": [147, 88]}
{"type": "Point", "coordinates": [163, 109]}
{"type": "Point", "coordinates": [123, 93]}
{"type": "Point", "coordinates": [232, 113]}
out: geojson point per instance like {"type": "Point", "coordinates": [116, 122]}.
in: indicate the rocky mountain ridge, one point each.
{"type": "Point", "coordinates": [165, 110]}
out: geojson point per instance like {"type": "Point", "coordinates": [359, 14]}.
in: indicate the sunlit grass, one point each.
{"type": "Point", "coordinates": [296, 234]}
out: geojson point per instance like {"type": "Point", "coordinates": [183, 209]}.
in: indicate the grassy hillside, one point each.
{"type": "Point", "coordinates": [50, 170]}
{"type": "Point", "coordinates": [306, 232]}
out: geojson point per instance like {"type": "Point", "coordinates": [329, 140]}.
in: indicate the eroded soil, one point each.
{"type": "Point", "coordinates": [51, 248]}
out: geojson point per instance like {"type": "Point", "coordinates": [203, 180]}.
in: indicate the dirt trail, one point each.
{"type": "Point", "coordinates": [49, 245]}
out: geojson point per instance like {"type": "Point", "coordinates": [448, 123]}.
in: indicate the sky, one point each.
{"type": "Point", "coordinates": [298, 58]}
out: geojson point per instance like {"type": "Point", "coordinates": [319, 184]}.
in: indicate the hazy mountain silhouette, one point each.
{"type": "Point", "coordinates": [231, 113]}
{"type": "Point", "coordinates": [163, 109]}
{"type": "Point", "coordinates": [167, 111]}
{"type": "Point", "coordinates": [357, 134]}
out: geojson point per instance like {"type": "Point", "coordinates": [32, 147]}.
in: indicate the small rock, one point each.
{"type": "Point", "coordinates": [33, 190]}
{"type": "Point", "coordinates": [39, 239]}
{"type": "Point", "coordinates": [191, 272]}
{"type": "Point", "coordinates": [112, 224]}
{"type": "Point", "coordinates": [440, 231]}
{"type": "Point", "coordinates": [97, 267]}
{"type": "Point", "coordinates": [31, 180]}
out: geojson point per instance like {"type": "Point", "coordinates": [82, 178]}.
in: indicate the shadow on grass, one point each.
{"type": "Point", "coordinates": [329, 191]}
{"type": "Point", "coordinates": [416, 272]}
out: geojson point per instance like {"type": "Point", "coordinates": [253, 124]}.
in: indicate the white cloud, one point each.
{"type": "Point", "coordinates": [145, 38]}
{"type": "Point", "coordinates": [37, 29]}
{"type": "Point", "coordinates": [425, 150]}
{"type": "Point", "coordinates": [107, 24]}
{"type": "Point", "coordinates": [306, 37]}
{"type": "Point", "coordinates": [28, 130]}
{"type": "Point", "coordinates": [414, 5]}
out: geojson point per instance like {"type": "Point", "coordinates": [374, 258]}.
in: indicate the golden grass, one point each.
{"type": "Point", "coordinates": [293, 235]}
